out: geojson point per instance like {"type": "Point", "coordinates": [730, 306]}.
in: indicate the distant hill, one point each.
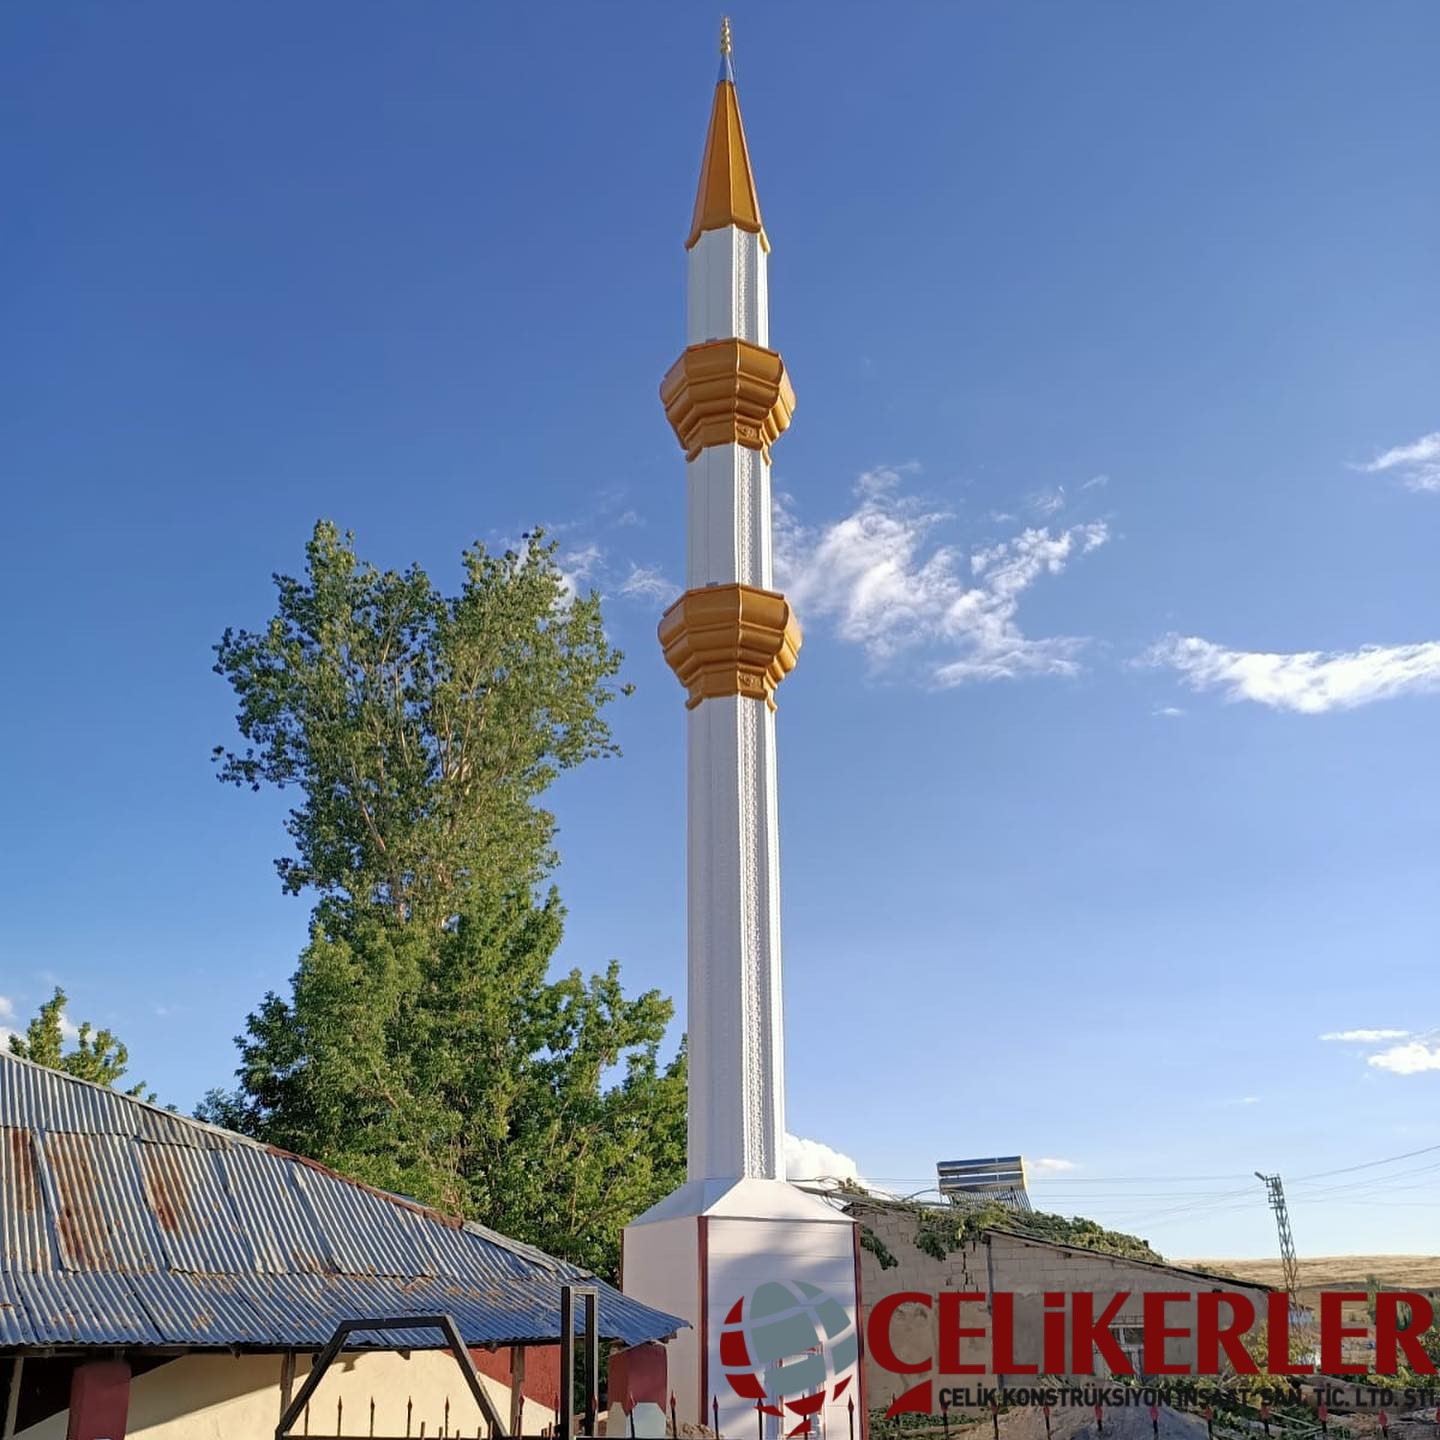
{"type": "Point", "coordinates": [1332, 1272]}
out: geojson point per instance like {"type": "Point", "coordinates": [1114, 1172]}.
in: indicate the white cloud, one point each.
{"type": "Point", "coordinates": [578, 568]}
{"type": "Point", "coordinates": [647, 582]}
{"type": "Point", "coordinates": [1096, 482]}
{"type": "Point", "coordinates": [7, 1008]}
{"type": "Point", "coordinates": [814, 1160]}
{"type": "Point", "coordinates": [1364, 1037]}
{"type": "Point", "coordinates": [1411, 1058]}
{"type": "Point", "coordinates": [1417, 465]}
{"type": "Point", "coordinates": [1048, 502]}
{"type": "Point", "coordinates": [1308, 681]}
{"type": "Point", "coordinates": [892, 589]}
{"type": "Point", "coordinates": [1168, 712]}
{"type": "Point", "coordinates": [1050, 1165]}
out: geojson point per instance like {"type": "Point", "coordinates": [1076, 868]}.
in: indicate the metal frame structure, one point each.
{"type": "Point", "coordinates": [345, 1329]}
{"type": "Point", "coordinates": [1275, 1193]}
{"type": "Point", "coordinates": [588, 1295]}
{"type": "Point", "coordinates": [995, 1177]}
{"type": "Point", "coordinates": [569, 1294]}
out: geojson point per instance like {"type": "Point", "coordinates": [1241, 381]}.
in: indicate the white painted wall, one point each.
{"type": "Point", "coordinates": [743, 1253]}
{"type": "Point", "coordinates": [225, 1397]}
{"type": "Point", "coordinates": [662, 1268]}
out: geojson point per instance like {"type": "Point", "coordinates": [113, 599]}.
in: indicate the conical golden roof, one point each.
{"type": "Point", "coordinates": [726, 195]}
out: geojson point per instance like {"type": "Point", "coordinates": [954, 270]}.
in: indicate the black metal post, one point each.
{"type": "Point", "coordinates": [592, 1358]}
{"type": "Point", "coordinates": [566, 1415]}
{"type": "Point", "coordinates": [715, 1411]}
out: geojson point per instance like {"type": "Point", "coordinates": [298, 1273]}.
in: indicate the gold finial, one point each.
{"type": "Point", "coordinates": [725, 35]}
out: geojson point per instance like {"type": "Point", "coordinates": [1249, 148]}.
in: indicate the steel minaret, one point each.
{"type": "Point", "coordinates": [736, 1230]}
{"type": "Point", "coordinates": [731, 638]}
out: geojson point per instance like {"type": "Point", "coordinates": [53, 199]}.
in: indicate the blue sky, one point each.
{"type": "Point", "coordinates": [1111, 509]}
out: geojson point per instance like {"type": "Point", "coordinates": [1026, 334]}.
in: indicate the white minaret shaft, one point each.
{"type": "Point", "coordinates": [731, 638]}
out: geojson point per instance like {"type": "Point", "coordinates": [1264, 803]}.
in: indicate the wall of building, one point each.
{"type": "Point", "coordinates": [1025, 1268]}
{"type": "Point", "coordinates": [224, 1397]}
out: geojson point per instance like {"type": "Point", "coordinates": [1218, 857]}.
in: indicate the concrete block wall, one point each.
{"type": "Point", "coordinates": [1025, 1268]}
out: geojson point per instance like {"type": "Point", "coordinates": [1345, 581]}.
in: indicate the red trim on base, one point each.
{"type": "Point", "coordinates": [860, 1339]}
{"type": "Point", "coordinates": [702, 1223]}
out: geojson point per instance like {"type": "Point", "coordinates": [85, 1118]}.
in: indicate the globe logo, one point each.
{"type": "Point", "coordinates": [789, 1346]}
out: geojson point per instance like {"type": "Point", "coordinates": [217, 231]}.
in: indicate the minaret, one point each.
{"type": "Point", "coordinates": [750, 1261]}
{"type": "Point", "coordinates": [731, 639]}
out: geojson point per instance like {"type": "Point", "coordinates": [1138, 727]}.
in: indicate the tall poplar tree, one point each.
{"type": "Point", "coordinates": [96, 1055]}
{"type": "Point", "coordinates": [424, 1046]}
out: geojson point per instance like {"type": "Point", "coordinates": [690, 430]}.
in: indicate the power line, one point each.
{"type": "Point", "coordinates": [1369, 1164]}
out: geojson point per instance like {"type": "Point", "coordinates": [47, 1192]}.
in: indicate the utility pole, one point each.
{"type": "Point", "coordinates": [1275, 1193]}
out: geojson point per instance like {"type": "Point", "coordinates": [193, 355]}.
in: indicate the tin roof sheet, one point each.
{"type": "Point", "coordinates": [125, 1224]}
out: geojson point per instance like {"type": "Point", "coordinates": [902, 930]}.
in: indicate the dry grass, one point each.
{"type": "Point", "coordinates": [1329, 1272]}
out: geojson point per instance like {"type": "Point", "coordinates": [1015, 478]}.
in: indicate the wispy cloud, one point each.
{"type": "Point", "coordinates": [589, 566]}
{"type": "Point", "coordinates": [1416, 466]}
{"type": "Point", "coordinates": [1168, 712]}
{"type": "Point", "coordinates": [891, 587]}
{"type": "Point", "coordinates": [1048, 502]}
{"type": "Point", "coordinates": [1308, 681]}
{"type": "Point", "coordinates": [578, 567]}
{"type": "Point", "coordinates": [647, 582]}
{"type": "Point", "coordinates": [1096, 482]}
{"type": "Point", "coordinates": [1050, 1165]}
{"type": "Point", "coordinates": [1413, 1057]}
{"type": "Point", "coordinates": [814, 1160]}
{"type": "Point", "coordinates": [1363, 1037]}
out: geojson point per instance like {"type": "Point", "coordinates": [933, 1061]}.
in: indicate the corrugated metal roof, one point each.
{"type": "Point", "coordinates": [125, 1224]}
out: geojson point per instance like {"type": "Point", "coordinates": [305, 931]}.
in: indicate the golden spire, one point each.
{"type": "Point", "coordinates": [727, 187]}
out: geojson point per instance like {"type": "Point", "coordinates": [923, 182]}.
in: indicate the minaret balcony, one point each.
{"type": "Point", "coordinates": [728, 392]}
{"type": "Point", "coordinates": [730, 640]}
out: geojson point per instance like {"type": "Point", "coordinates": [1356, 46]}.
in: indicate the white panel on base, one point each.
{"type": "Point", "coordinates": [713, 1244]}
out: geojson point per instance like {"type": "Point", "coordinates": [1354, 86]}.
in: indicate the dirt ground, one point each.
{"type": "Point", "coordinates": [1078, 1423]}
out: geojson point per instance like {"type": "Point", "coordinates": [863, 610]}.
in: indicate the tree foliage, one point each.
{"type": "Point", "coordinates": [97, 1055]}
{"type": "Point", "coordinates": [940, 1230]}
{"type": "Point", "coordinates": [424, 1046]}
{"type": "Point", "coordinates": [420, 730]}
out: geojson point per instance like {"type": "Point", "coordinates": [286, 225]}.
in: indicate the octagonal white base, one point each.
{"type": "Point", "coordinates": [700, 1250]}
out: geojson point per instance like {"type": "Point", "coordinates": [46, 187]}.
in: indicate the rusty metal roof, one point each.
{"type": "Point", "coordinates": [125, 1224]}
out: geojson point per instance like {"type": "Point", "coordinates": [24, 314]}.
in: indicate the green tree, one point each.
{"type": "Point", "coordinates": [424, 1046]}
{"type": "Point", "coordinates": [98, 1055]}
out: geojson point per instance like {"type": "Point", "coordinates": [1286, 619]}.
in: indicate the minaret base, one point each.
{"type": "Point", "coordinates": [769, 1278]}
